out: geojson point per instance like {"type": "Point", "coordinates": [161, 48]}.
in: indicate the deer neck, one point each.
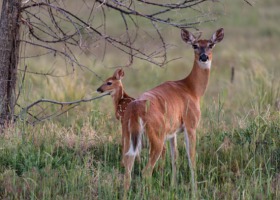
{"type": "Point", "coordinates": [197, 80]}
{"type": "Point", "coordinates": [117, 96]}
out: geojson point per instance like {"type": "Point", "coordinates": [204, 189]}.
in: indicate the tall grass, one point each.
{"type": "Point", "coordinates": [52, 162]}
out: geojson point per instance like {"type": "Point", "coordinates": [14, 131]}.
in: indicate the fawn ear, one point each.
{"type": "Point", "coordinates": [119, 74]}
{"type": "Point", "coordinates": [217, 36]}
{"type": "Point", "coordinates": [187, 36]}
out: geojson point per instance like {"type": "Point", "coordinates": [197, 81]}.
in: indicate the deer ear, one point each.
{"type": "Point", "coordinates": [119, 74]}
{"type": "Point", "coordinates": [187, 36]}
{"type": "Point", "coordinates": [217, 36]}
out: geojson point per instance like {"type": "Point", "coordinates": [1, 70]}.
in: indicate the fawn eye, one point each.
{"type": "Point", "coordinates": [195, 46]}
{"type": "Point", "coordinates": [109, 83]}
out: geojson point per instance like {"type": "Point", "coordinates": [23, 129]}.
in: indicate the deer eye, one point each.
{"type": "Point", "coordinates": [195, 46]}
{"type": "Point", "coordinates": [109, 83]}
{"type": "Point", "coordinates": [211, 45]}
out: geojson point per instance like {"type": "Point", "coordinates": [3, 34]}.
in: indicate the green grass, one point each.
{"type": "Point", "coordinates": [77, 155]}
{"type": "Point", "coordinates": [51, 162]}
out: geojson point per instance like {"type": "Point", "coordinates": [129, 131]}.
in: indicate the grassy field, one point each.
{"type": "Point", "coordinates": [77, 155]}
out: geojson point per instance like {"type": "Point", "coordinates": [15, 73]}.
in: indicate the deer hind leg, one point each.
{"type": "Point", "coordinates": [138, 158]}
{"type": "Point", "coordinates": [156, 147]}
{"type": "Point", "coordinates": [128, 158]}
{"type": "Point", "coordinates": [190, 141]}
{"type": "Point", "coordinates": [123, 153]}
{"type": "Point", "coordinates": [161, 164]}
{"type": "Point", "coordinates": [163, 153]}
{"type": "Point", "coordinates": [174, 154]}
{"type": "Point", "coordinates": [128, 163]}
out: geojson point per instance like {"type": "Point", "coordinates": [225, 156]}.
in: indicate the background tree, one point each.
{"type": "Point", "coordinates": [58, 28]}
{"type": "Point", "coordinates": [9, 54]}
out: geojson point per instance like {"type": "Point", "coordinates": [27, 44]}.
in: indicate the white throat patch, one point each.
{"type": "Point", "coordinates": [204, 65]}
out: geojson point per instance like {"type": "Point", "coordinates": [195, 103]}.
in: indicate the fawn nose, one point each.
{"type": "Point", "coordinates": [99, 90]}
{"type": "Point", "coordinates": [203, 57]}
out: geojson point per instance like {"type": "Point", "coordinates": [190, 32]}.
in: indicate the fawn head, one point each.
{"type": "Point", "coordinates": [203, 48]}
{"type": "Point", "coordinates": [112, 84]}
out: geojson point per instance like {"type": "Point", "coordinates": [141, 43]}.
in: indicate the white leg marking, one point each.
{"type": "Point", "coordinates": [173, 148]}
{"type": "Point", "coordinates": [139, 146]}
{"type": "Point", "coordinates": [188, 153]}
{"type": "Point", "coordinates": [187, 142]}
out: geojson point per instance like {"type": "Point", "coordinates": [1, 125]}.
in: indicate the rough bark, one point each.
{"type": "Point", "coordinates": [9, 55]}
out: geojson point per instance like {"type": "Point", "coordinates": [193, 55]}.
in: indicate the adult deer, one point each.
{"type": "Point", "coordinates": [167, 109]}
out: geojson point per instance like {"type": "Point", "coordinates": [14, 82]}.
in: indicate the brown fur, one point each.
{"type": "Point", "coordinates": [167, 109]}
{"type": "Point", "coordinates": [120, 98]}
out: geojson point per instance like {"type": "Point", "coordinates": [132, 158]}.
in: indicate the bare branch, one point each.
{"type": "Point", "coordinates": [21, 85]}
{"type": "Point", "coordinates": [49, 73]}
{"type": "Point", "coordinates": [64, 103]}
{"type": "Point", "coordinates": [59, 29]}
{"type": "Point", "coordinates": [70, 104]}
{"type": "Point", "coordinates": [128, 41]}
{"type": "Point", "coordinates": [128, 8]}
{"type": "Point", "coordinates": [249, 3]}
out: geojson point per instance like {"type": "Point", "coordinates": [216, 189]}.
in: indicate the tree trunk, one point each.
{"type": "Point", "coordinates": [9, 55]}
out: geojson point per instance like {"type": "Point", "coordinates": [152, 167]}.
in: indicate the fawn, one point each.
{"type": "Point", "coordinates": [114, 87]}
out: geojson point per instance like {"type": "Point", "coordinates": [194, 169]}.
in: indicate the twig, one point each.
{"type": "Point", "coordinates": [72, 104]}
{"type": "Point", "coordinates": [248, 2]}
{"type": "Point", "coordinates": [63, 103]}
{"type": "Point", "coordinates": [22, 81]}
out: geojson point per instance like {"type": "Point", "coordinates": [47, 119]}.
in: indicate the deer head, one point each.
{"type": "Point", "coordinates": [203, 48]}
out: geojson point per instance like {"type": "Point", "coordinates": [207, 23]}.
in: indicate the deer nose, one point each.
{"type": "Point", "coordinates": [99, 90]}
{"type": "Point", "coordinates": [203, 57]}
